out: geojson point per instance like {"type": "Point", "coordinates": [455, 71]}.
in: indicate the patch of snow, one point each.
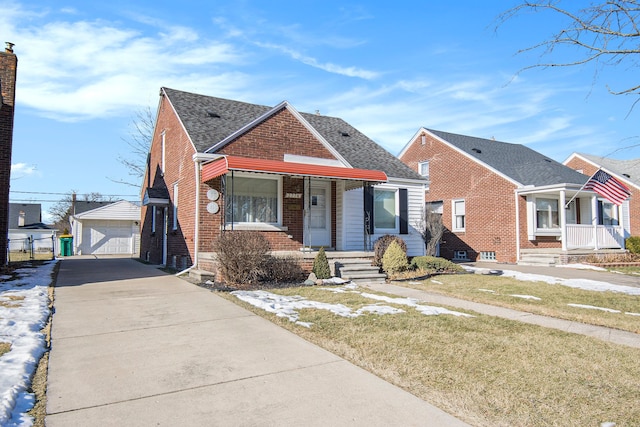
{"type": "Point", "coordinates": [411, 302]}
{"type": "Point", "coordinates": [631, 314]}
{"type": "Point", "coordinates": [436, 282]}
{"type": "Point", "coordinates": [580, 266]}
{"type": "Point", "coordinates": [4, 277]}
{"type": "Point", "coordinates": [487, 290]}
{"type": "Point", "coordinates": [334, 281]}
{"type": "Point", "coordinates": [20, 325]}
{"type": "Point", "coordinates": [526, 297]}
{"type": "Point", "coordinates": [591, 307]}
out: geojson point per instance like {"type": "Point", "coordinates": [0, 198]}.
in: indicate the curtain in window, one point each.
{"type": "Point", "coordinates": [254, 200]}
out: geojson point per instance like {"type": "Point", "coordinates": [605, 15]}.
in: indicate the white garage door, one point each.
{"type": "Point", "coordinates": [107, 237]}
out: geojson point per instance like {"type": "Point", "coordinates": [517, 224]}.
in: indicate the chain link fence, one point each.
{"type": "Point", "coordinates": [31, 248]}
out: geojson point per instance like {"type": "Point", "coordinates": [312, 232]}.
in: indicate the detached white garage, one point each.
{"type": "Point", "coordinates": [112, 229]}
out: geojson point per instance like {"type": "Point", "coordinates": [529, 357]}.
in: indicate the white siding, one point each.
{"type": "Point", "coordinates": [339, 216]}
{"type": "Point", "coordinates": [626, 220]}
{"type": "Point", "coordinates": [353, 212]}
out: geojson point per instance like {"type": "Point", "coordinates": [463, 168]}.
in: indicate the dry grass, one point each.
{"type": "Point", "coordinates": [11, 301]}
{"type": "Point", "coordinates": [5, 347]}
{"type": "Point", "coordinates": [19, 256]}
{"type": "Point", "coordinates": [484, 370]}
{"type": "Point", "coordinates": [554, 298]}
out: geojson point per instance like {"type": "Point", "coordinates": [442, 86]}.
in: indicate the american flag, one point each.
{"type": "Point", "coordinates": [608, 187]}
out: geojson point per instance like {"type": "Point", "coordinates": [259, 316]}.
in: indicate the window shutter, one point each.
{"type": "Point", "coordinates": [404, 211]}
{"type": "Point", "coordinates": [368, 208]}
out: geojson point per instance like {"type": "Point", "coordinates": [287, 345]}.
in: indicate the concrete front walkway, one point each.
{"type": "Point", "coordinates": [132, 346]}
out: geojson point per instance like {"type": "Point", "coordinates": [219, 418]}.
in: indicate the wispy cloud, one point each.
{"type": "Point", "coordinates": [21, 170]}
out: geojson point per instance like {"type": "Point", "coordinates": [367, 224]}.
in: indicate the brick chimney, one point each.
{"type": "Point", "coordinates": [8, 68]}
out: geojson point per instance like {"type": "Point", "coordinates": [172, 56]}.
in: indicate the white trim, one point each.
{"type": "Point", "coordinates": [308, 160]}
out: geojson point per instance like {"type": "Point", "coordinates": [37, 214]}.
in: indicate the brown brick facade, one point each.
{"type": "Point", "coordinates": [278, 135]}
{"type": "Point", "coordinates": [8, 70]}
{"type": "Point", "coordinates": [490, 215]}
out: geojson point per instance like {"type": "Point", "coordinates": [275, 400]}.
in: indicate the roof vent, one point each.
{"type": "Point", "coordinates": [476, 150]}
{"type": "Point", "coordinates": [547, 160]}
{"type": "Point", "coordinates": [626, 175]}
{"type": "Point", "coordinates": [344, 133]}
{"type": "Point", "coordinates": [213, 114]}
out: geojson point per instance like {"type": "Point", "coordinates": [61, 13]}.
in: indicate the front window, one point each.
{"type": "Point", "coordinates": [607, 213]}
{"type": "Point", "coordinates": [459, 215]}
{"type": "Point", "coordinates": [251, 200]}
{"type": "Point", "coordinates": [384, 209]}
{"type": "Point", "coordinates": [547, 213]}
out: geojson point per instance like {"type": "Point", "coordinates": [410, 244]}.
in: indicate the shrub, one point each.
{"type": "Point", "coordinates": [431, 263]}
{"type": "Point", "coordinates": [321, 266]}
{"type": "Point", "coordinates": [283, 270]}
{"type": "Point", "coordinates": [382, 244]}
{"type": "Point", "coordinates": [394, 259]}
{"type": "Point", "coordinates": [242, 256]}
{"type": "Point", "coordinates": [633, 244]}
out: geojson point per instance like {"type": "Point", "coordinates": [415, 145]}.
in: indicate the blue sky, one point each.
{"type": "Point", "coordinates": [86, 68]}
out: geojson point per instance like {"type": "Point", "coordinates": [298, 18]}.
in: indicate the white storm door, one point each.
{"type": "Point", "coordinates": [320, 214]}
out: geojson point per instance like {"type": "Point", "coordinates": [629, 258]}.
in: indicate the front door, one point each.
{"type": "Point", "coordinates": [320, 213]}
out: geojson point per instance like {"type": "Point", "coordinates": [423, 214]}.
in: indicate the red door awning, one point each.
{"type": "Point", "coordinates": [244, 164]}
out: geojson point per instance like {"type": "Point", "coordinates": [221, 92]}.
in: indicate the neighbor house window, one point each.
{"type": "Point", "coordinates": [607, 213]}
{"type": "Point", "coordinates": [458, 210]}
{"type": "Point", "coordinates": [487, 256]}
{"type": "Point", "coordinates": [460, 255]}
{"type": "Point", "coordinates": [175, 206]}
{"type": "Point", "coordinates": [252, 200]}
{"type": "Point", "coordinates": [547, 213]}
{"type": "Point", "coordinates": [385, 209]}
{"type": "Point", "coordinates": [423, 169]}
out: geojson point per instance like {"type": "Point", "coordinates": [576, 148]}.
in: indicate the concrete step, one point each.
{"type": "Point", "coordinates": [201, 275]}
{"type": "Point", "coordinates": [545, 260]}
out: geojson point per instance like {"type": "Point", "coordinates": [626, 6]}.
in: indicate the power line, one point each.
{"type": "Point", "coordinates": [70, 193]}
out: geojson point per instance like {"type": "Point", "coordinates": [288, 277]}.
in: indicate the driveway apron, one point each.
{"type": "Point", "coordinates": [133, 346]}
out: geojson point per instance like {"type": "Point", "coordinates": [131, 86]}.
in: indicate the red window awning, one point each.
{"type": "Point", "coordinates": [244, 164]}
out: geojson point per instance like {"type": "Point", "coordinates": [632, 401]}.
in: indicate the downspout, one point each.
{"type": "Point", "coordinates": [517, 227]}
{"type": "Point", "coordinates": [198, 161]}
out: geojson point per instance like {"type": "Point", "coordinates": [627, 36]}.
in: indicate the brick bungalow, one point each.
{"type": "Point", "coordinates": [503, 202]}
{"type": "Point", "coordinates": [626, 171]}
{"type": "Point", "coordinates": [304, 180]}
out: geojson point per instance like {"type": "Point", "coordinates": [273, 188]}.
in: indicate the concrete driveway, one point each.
{"type": "Point", "coordinates": [132, 346]}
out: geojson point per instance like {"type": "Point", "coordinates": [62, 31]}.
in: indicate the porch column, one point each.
{"type": "Point", "coordinates": [594, 220]}
{"type": "Point", "coordinates": [563, 219]}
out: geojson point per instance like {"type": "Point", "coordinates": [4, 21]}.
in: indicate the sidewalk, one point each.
{"type": "Point", "coordinates": [133, 346]}
{"type": "Point", "coordinates": [606, 334]}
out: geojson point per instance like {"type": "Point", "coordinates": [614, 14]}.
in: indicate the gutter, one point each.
{"type": "Point", "coordinates": [199, 159]}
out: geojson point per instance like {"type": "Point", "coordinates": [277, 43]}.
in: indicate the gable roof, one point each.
{"type": "Point", "coordinates": [121, 210]}
{"type": "Point", "coordinates": [81, 206]}
{"type": "Point", "coordinates": [627, 170]}
{"type": "Point", "coordinates": [32, 214]}
{"type": "Point", "coordinates": [209, 120]}
{"type": "Point", "coordinates": [515, 161]}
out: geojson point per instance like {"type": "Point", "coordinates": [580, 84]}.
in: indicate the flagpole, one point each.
{"type": "Point", "coordinates": [581, 188]}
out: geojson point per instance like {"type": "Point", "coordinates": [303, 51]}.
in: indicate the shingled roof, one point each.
{"type": "Point", "coordinates": [628, 169]}
{"type": "Point", "coordinates": [209, 120]}
{"type": "Point", "coordinates": [518, 162]}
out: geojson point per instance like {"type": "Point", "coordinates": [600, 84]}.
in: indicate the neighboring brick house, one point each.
{"type": "Point", "coordinates": [8, 68]}
{"type": "Point", "coordinates": [503, 202]}
{"type": "Point", "coordinates": [627, 172]}
{"type": "Point", "coordinates": [304, 180]}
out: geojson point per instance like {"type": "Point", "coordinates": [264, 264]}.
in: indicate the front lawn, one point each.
{"type": "Point", "coordinates": [484, 370]}
{"type": "Point", "coordinates": [540, 298]}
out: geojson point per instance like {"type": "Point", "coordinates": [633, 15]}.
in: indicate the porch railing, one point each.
{"type": "Point", "coordinates": [581, 236]}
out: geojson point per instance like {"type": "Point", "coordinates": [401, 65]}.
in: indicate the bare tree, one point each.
{"type": "Point", "coordinates": [431, 229]}
{"type": "Point", "coordinates": [139, 142]}
{"type": "Point", "coordinates": [605, 34]}
{"type": "Point", "coordinates": [63, 209]}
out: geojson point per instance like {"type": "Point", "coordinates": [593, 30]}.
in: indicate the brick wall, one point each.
{"type": "Point", "coordinates": [280, 134]}
{"type": "Point", "coordinates": [634, 201]}
{"type": "Point", "coordinates": [8, 69]}
{"type": "Point", "coordinates": [490, 220]}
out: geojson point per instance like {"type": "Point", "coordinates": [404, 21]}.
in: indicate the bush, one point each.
{"type": "Point", "coordinates": [633, 244]}
{"type": "Point", "coordinates": [394, 259]}
{"type": "Point", "coordinates": [242, 256]}
{"type": "Point", "coordinates": [321, 266]}
{"type": "Point", "coordinates": [283, 270]}
{"type": "Point", "coordinates": [382, 244]}
{"type": "Point", "coordinates": [431, 263]}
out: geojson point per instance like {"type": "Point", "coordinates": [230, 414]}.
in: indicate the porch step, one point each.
{"type": "Point", "coordinates": [201, 275]}
{"type": "Point", "coordinates": [539, 259]}
{"type": "Point", "coordinates": [359, 270]}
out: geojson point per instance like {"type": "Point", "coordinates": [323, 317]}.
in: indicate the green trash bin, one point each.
{"type": "Point", "coordinates": [66, 245]}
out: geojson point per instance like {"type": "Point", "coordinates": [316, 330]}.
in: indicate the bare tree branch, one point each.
{"type": "Point", "coordinates": [139, 142]}
{"type": "Point", "coordinates": [605, 33]}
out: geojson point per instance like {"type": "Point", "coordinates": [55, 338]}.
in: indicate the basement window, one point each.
{"type": "Point", "coordinates": [487, 256]}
